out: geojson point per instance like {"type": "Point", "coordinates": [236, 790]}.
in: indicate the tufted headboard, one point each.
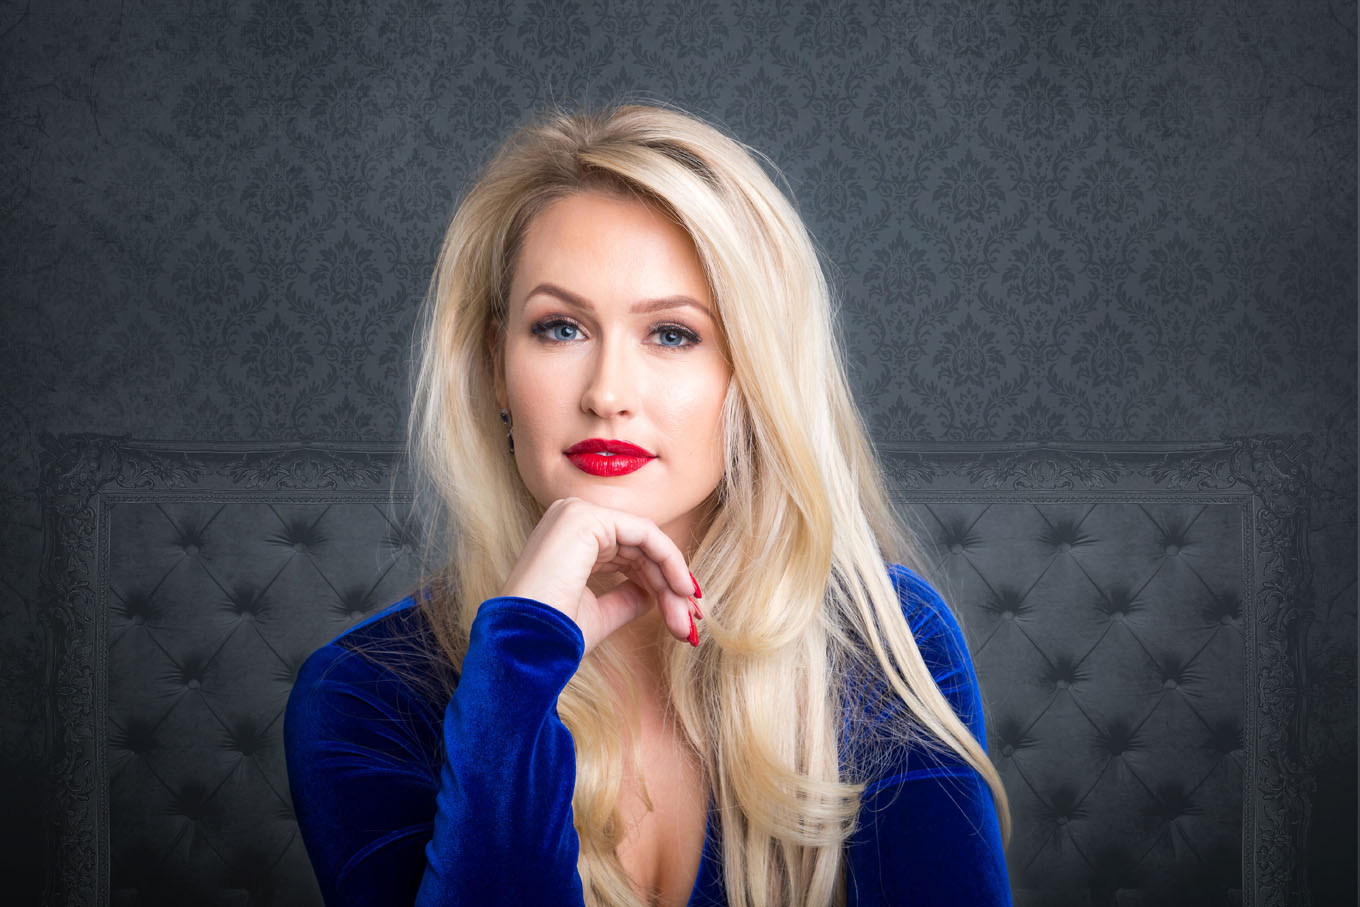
{"type": "Point", "coordinates": [1136, 615]}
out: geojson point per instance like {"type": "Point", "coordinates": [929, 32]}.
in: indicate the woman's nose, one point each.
{"type": "Point", "coordinates": [613, 383]}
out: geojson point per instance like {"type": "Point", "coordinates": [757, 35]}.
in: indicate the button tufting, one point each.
{"type": "Point", "coordinates": [1063, 683]}
{"type": "Point", "coordinates": [184, 627]}
{"type": "Point", "coordinates": [1062, 820]}
{"type": "Point", "coordinates": [1173, 550]}
{"type": "Point", "coordinates": [1008, 750]}
{"type": "Point", "coordinates": [1225, 619]}
{"type": "Point", "coordinates": [246, 740]}
{"type": "Point", "coordinates": [1064, 547]}
{"type": "Point", "coordinates": [355, 614]}
{"type": "Point", "coordinates": [1171, 683]}
{"type": "Point", "coordinates": [956, 548]}
{"type": "Point", "coordinates": [1117, 615]}
{"type": "Point", "coordinates": [248, 603]}
{"type": "Point", "coordinates": [1008, 614]}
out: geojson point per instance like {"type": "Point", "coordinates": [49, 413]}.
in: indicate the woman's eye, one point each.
{"type": "Point", "coordinates": [674, 335]}
{"type": "Point", "coordinates": [557, 330]}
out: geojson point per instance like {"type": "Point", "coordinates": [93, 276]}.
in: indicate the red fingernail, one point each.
{"type": "Point", "coordinates": [693, 634]}
{"type": "Point", "coordinates": [698, 612]}
{"type": "Point", "coordinates": [697, 593]}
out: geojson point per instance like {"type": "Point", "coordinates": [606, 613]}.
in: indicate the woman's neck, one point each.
{"type": "Point", "coordinates": [640, 643]}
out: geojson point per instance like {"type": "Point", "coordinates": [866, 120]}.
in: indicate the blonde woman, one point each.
{"type": "Point", "coordinates": [671, 655]}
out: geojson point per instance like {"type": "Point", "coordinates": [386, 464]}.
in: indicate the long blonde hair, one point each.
{"type": "Point", "coordinates": [792, 562]}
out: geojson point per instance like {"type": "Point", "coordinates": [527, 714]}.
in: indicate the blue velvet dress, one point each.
{"type": "Point", "coordinates": [407, 795]}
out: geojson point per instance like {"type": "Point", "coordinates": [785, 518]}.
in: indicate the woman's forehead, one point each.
{"type": "Point", "coordinates": [595, 246]}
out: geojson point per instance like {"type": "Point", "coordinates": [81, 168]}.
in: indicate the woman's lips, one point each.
{"type": "Point", "coordinates": [600, 457]}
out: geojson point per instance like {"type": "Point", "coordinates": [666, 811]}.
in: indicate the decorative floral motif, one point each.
{"type": "Point", "coordinates": [208, 270]}
{"type": "Point", "coordinates": [1245, 354]}
{"type": "Point", "coordinates": [1108, 355]}
{"type": "Point", "coordinates": [208, 108]}
{"type": "Point", "coordinates": [1105, 28]}
{"type": "Point", "coordinates": [764, 103]}
{"type": "Point", "coordinates": [969, 190]}
{"type": "Point", "coordinates": [691, 26]}
{"type": "Point", "coordinates": [1174, 108]}
{"type": "Point", "coordinates": [413, 28]}
{"type": "Point", "coordinates": [1038, 109]}
{"type": "Point", "coordinates": [139, 355]}
{"type": "Point", "coordinates": [347, 420]}
{"type": "Point", "coordinates": [835, 188]}
{"type": "Point", "coordinates": [1176, 272]}
{"type": "Point", "coordinates": [968, 354]}
{"type": "Point", "coordinates": [904, 420]}
{"type": "Point", "coordinates": [276, 355]}
{"type": "Point", "coordinates": [1038, 273]}
{"type": "Point", "coordinates": [278, 189]}
{"type": "Point", "coordinates": [412, 189]}
{"type": "Point", "coordinates": [551, 29]}
{"type": "Point", "coordinates": [343, 108]}
{"type": "Point", "coordinates": [900, 272]}
{"type": "Point", "coordinates": [1107, 191]}
{"type": "Point", "coordinates": [277, 28]}
{"type": "Point", "coordinates": [970, 29]}
{"type": "Point", "coordinates": [900, 105]}
{"type": "Point", "coordinates": [832, 29]}
{"type": "Point", "coordinates": [346, 271]}
{"type": "Point", "coordinates": [484, 104]}
{"type": "Point", "coordinates": [1038, 421]}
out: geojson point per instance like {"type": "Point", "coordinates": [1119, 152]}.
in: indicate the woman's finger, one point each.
{"type": "Point", "coordinates": [656, 546]}
{"type": "Point", "coordinates": [663, 569]}
{"type": "Point", "coordinates": [677, 611]}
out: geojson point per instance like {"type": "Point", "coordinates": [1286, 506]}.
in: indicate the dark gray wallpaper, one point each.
{"type": "Point", "coordinates": [1046, 220]}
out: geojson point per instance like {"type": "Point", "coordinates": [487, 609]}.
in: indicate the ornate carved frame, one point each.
{"type": "Point", "coordinates": [82, 475]}
{"type": "Point", "coordinates": [1268, 477]}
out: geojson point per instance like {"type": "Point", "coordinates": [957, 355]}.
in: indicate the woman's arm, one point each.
{"type": "Point", "coordinates": [396, 808]}
{"type": "Point", "coordinates": [475, 809]}
{"type": "Point", "coordinates": [929, 833]}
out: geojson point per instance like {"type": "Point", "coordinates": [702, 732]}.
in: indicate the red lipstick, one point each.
{"type": "Point", "coordinates": [600, 457]}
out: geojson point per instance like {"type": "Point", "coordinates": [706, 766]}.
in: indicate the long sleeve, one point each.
{"type": "Point", "coordinates": [928, 832]}
{"type": "Point", "coordinates": [407, 795]}
{"type": "Point", "coordinates": [474, 808]}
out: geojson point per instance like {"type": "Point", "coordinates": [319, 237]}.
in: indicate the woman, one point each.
{"type": "Point", "coordinates": [627, 379]}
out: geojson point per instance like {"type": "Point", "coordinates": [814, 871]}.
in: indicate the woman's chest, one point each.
{"type": "Point", "coordinates": [664, 814]}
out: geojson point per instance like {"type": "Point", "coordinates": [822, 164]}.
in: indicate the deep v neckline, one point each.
{"type": "Point", "coordinates": [704, 893]}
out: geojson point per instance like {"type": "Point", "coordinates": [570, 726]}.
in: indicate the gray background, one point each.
{"type": "Point", "coordinates": [1046, 221]}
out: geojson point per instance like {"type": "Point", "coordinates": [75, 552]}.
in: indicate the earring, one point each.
{"type": "Point", "coordinates": [509, 433]}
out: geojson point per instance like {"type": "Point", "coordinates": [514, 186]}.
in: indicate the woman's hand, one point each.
{"type": "Point", "coordinates": [576, 540]}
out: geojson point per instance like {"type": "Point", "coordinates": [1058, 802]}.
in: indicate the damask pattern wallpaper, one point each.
{"type": "Point", "coordinates": [1049, 220]}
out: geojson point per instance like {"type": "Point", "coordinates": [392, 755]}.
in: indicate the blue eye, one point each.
{"type": "Point", "coordinates": [675, 336]}
{"type": "Point", "coordinates": [557, 330]}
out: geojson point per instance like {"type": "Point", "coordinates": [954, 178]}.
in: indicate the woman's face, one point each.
{"type": "Point", "coordinates": [610, 364]}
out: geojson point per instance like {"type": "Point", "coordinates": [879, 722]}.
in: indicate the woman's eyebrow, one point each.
{"type": "Point", "coordinates": [644, 307]}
